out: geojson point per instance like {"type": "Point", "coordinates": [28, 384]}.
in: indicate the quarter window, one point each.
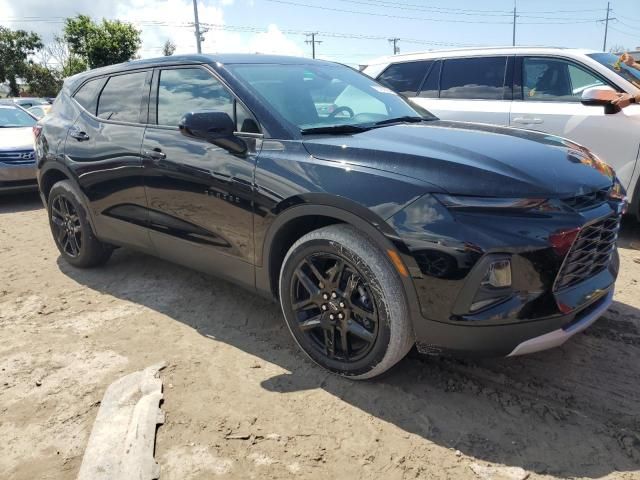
{"type": "Point", "coordinates": [188, 90]}
{"type": "Point", "coordinates": [473, 78]}
{"type": "Point", "coordinates": [87, 95]}
{"type": "Point", "coordinates": [121, 97]}
{"type": "Point", "coordinates": [405, 78]}
{"type": "Point", "coordinates": [555, 80]}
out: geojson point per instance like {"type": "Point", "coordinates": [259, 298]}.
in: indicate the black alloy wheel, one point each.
{"type": "Point", "coordinates": [66, 226]}
{"type": "Point", "coordinates": [334, 307]}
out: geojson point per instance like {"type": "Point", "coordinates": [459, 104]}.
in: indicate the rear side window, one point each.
{"type": "Point", "coordinates": [87, 95]}
{"type": "Point", "coordinates": [189, 90]}
{"type": "Point", "coordinates": [405, 78]}
{"type": "Point", "coordinates": [121, 97]}
{"type": "Point", "coordinates": [473, 78]}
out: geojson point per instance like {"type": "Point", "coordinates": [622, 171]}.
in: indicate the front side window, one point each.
{"type": "Point", "coordinates": [473, 78]}
{"type": "Point", "coordinates": [311, 96]}
{"type": "Point", "coordinates": [555, 80]}
{"type": "Point", "coordinates": [405, 78]}
{"type": "Point", "coordinates": [121, 97]}
{"type": "Point", "coordinates": [186, 90]}
{"type": "Point", "coordinates": [12, 117]}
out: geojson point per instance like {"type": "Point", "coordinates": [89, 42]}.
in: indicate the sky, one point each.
{"type": "Point", "coordinates": [351, 31]}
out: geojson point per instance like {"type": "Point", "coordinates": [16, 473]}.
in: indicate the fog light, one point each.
{"type": "Point", "coordinates": [498, 275]}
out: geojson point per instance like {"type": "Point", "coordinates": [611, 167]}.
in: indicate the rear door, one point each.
{"type": "Point", "coordinates": [547, 97]}
{"type": "Point", "coordinates": [200, 195]}
{"type": "Point", "coordinates": [475, 89]}
{"type": "Point", "coordinates": [103, 150]}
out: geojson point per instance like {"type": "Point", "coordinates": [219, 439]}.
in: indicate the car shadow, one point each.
{"type": "Point", "coordinates": [571, 412]}
{"type": "Point", "coordinates": [19, 202]}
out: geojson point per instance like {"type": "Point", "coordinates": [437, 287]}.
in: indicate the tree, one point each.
{"type": "Point", "coordinates": [57, 56]}
{"type": "Point", "coordinates": [109, 42]}
{"type": "Point", "coordinates": [168, 48]}
{"type": "Point", "coordinates": [43, 81]}
{"type": "Point", "coordinates": [15, 48]}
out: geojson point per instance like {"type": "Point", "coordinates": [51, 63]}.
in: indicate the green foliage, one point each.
{"type": "Point", "coordinates": [15, 48]}
{"type": "Point", "coordinates": [43, 82]}
{"type": "Point", "coordinates": [74, 64]}
{"type": "Point", "coordinates": [168, 48]}
{"type": "Point", "coordinates": [101, 44]}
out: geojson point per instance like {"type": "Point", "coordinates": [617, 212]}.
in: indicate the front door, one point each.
{"type": "Point", "coordinates": [549, 101]}
{"type": "Point", "coordinates": [200, 195]}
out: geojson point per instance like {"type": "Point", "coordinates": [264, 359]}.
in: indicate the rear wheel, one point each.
{"type": "Point", "coordinates": [344, 303]}
{"type": "Point", "coordinates": [71, 229]}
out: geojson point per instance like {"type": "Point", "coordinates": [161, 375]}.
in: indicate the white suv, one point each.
{"type": "Point", "coordinates": [546, 89]}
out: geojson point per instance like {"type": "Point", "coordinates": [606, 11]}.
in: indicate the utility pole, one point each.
{"type": "Point", "coordinates": [606, 27]}
{"type": "Point", "coordinates": [197, 24]}
{"type": "Point", "coordinates": [396, 48]}
{"type": "Point", "coordinates": [313, 42]}
{"type": "Point", "coordinates": [515, 15]}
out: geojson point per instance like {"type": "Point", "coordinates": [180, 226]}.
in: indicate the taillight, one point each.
{"type": "Point", "coordinates": [562, 240]}
{"type": "Point", "coordinates": [37, 130]}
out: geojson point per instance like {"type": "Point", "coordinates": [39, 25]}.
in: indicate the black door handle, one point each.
{"type": "Point", "coordinates": [78, 135]}
{"type": "Point", "coordinates": [155, 154]}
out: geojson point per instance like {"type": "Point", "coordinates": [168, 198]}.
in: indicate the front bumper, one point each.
{"type": "Point", "coordinates": [20, 177]}
{"type": "Point", "coordinates": [558, 337]}
{"type": "Point", "coordinates": [447, 256]}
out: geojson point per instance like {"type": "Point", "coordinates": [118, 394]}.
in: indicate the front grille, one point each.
{"type": "Point", "coordinates": [18, 157]}
{"type": "Point", "coordinates": [588, 200]}
{"type": "Point", "coordinates": [590, 253]}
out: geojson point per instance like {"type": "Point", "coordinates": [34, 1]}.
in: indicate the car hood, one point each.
{"type": "Point", "coordinates": [20, 138]}
{"type": "Point", "coordinates": [471, 159]}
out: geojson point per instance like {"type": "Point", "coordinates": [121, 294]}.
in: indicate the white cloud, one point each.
{"type": "Point", "coordinates": [158, 20]}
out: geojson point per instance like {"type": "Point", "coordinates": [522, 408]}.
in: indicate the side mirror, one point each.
{"type": "Point", "coordinates": [214, 127]}
{"type": "Point", "coordinates": [600, 96]}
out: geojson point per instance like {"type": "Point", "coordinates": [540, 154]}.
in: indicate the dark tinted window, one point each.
{"type": "Point", "coordinates": [405, 78]}
{"type": "Point", "coordinates": [430, 87]}
{"type": "Point", "coordinates": [555, 80]}
{"type": "Point", "coordinates": [87, 96]}
{"type": "Point", "coordinates": [188, 90]}
{"type": "Point", "coordinates": [473, 78]}
{"type": "Point", "coordinates": [121, 97]}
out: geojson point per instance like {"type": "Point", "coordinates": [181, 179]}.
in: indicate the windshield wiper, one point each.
{"type": "Point", "coordinates": [335, 129]}
{"type": "Point", "coordinates": [405, 119]}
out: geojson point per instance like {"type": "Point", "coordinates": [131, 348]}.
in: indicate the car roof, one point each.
{"type": "Point", "coordinates": [479, 51]}
{"type": "Point", "coordinates": [194, 59]}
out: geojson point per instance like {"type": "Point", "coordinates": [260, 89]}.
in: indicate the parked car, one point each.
{"type": "Point", "coordinates": [545, 89]}
{"type": "Point", "coordinates": [17, 158]}
{"type": "Point", "coordinates": [25, 102]}
{"type": "Point", "coordinates": [39, 111]}
{"type": "Point", "coordinates": [376, 225]}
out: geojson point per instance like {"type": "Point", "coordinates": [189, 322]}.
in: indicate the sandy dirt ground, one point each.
{"type": "Point", "coordinates": [242, 402]}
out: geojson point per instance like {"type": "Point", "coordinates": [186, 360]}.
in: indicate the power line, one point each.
{"type": "Point", "coordinates": [427, 19]}
{"type": "Point", "coordinates": [313, 42]}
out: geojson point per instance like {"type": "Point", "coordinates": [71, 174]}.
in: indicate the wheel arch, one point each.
{"type": "Point", "coordinates": [314, 211]}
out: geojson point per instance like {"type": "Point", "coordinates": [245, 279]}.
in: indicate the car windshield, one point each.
{"type": "Point", "coordinates": [12, 117]}
{"type": "Point", "coordinates": [613, 63]}
{"type": "Point", "coordinates": [327, 96]}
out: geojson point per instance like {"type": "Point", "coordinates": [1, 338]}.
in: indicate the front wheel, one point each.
{"type": "Point", "coordinates": [344, 303]}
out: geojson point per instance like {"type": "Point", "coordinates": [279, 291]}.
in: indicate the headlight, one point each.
{"type": "Point", "coordinates": [488, 203]}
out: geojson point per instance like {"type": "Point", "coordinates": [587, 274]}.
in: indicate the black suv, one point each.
{"type": "Point", "coordinates": [376, 225]}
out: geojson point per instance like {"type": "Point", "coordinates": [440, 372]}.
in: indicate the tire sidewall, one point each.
{"type": "Point", "coordinates": [65, 188]}
{"type": "Point", "coordinates": [364, 367]}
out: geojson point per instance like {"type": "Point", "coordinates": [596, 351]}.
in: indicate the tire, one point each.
{"type": "Point", "coordinates": [374, 330]}
{"type": "Point", "coordinates": [71, 229]}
